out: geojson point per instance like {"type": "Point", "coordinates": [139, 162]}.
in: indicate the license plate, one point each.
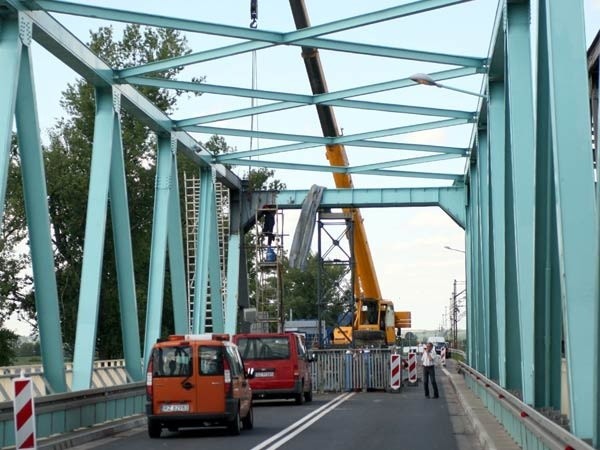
{"type": "Point", "coordinates": [180, 407]}
{"type": "Point", "coordinates": [264, 374]}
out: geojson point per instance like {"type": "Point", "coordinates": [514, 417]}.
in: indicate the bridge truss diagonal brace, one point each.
{"type": "Point", "coordinates": [177, 269]}
{"type": "Point", "coordinates": [207, 259]}
{"type": "Point", "coordinates": [570, 130]}
{"type": "Point", "coordinates": [10, 55]}
{"type": "Point", "coordinates": [95, 231]}
{"type": "Point", "coordinates": [119, 209]}
{"type": "Point", "coordinates": [37, 212]}
{"type": "Point", "coordinates": [156, 278]}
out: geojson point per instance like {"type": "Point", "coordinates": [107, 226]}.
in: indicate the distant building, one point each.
{"type": "Point", "coordinates": [310, 329]}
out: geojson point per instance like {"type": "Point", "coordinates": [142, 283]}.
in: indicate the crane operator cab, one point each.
{"type": "Point", "coordinates": [197, 380]}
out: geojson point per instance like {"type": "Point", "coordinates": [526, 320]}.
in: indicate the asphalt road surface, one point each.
{"type": "Point", "coordinates": [347, 421]}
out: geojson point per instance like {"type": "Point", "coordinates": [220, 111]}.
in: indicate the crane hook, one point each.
{"type": "Point", "coordinates": [253, 13]}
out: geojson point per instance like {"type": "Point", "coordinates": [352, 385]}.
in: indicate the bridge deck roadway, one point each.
{"type": "Point", "coordinates": [374, 420]}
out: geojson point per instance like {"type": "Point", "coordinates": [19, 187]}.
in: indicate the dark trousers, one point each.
{"type": "Point", "coordinates": [429, 373]}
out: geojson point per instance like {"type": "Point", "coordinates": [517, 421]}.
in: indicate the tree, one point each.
{"type": "Point", "coordinates": [8, 343]}
{"type": "Point", "coordinates": [300, 291]}
{"type": "Point", "coordinates": [67, 162]}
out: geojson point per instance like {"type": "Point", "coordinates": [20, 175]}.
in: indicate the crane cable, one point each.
{"type": "Point", "coordinates": [253, 100]}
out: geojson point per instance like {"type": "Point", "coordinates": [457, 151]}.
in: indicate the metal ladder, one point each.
{"type": "Point", "coordinates": [192, 195]}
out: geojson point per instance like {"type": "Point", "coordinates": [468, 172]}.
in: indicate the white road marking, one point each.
{"type": "Point", "coordinates": [302, 424]}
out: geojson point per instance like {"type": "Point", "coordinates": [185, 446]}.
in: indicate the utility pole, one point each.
{"type": "Point", "coordinates": [454, 317]}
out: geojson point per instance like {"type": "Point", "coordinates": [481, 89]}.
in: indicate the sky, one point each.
{"type": "Point", "coordinates": [408, 245]}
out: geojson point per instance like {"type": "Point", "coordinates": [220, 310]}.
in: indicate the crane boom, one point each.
{"type": "Point", "coordinates": [368, 285]}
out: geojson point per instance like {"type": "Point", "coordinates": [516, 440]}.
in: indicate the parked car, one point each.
{"type": "Point", "coordinates": [281, 365]}
{"type": "Point", "coordinates": [196, 380]}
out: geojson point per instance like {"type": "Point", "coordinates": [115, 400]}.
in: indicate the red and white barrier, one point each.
{"type": "Point", "coordinates": [24, 414]}
{"type": "Point", "coordinates": [395, 371]}
{"type": "Point", "coordinates": [412, 367]}
{"type": "Point", "coordinates": [443, 356]}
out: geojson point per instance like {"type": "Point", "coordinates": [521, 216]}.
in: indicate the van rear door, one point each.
{"type": "Point", "coordinates": [172, 370]}
{"type": "Point", "coordinates": [210, 394]}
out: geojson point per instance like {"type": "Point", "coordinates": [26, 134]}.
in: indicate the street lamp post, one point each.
{"type": "Point", "coordinates": [426, 80]}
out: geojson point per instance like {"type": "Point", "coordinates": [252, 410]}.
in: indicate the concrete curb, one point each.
{"type": "Point", "coordinates": [483, 436]}
{"type": "Point", "coordinates": [90, 434]}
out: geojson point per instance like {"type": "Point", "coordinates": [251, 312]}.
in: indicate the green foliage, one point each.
{"type": "Point", "coordinates": [300, 291]}
{"type": "Point", "coordinates": [8, 343]}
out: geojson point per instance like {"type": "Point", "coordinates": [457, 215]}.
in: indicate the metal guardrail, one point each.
{"type": "Point", "coordinates": [528, 427]}
{"type": "Point", "coordinates": [63, 413]}
{"type": "Point", "coordinates": [338, 370]}
{"type": "Point", "coordinates": [458, 352]}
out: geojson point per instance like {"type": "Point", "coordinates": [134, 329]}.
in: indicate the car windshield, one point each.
{"type": "Point", "coordinates": [264, 347]}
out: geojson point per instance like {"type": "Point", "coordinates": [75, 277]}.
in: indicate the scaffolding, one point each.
{"type": "Point", "coordinates": [267, 244]}
{"type": "Point", "coordinates": [192, 196]}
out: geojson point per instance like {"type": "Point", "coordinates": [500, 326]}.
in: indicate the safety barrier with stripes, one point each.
{"type": "Point", "coordinates": [338, 370]}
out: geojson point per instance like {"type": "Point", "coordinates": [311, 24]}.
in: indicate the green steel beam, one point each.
{"type": "Point", "coordinates": [400, 162]}
{"type": "Point", "coordinates": [158, 252]}
{"type": "Point", "coordinates": [450, 199]}
{"type": "Point", "coordinates": [325, 44]}
{"type": "Point", "coordinates": [233, 265]}
{"type": "Point", "coordinates": [38, 220]}
{"type": "Point", "coordinates": [571, 133]}
{"type": "Point", "coordinates": [469, 303]}
{"type": "Point", "coordinates": [513, 339]}
{"type": "Point", "coordinates": [201, 277]}
{"type": "Point", "coordinates": [10, 55]}
{"type": "Point", "coordinates": [347, 139]}
{"type": "Point", "coordinates": [496, 126]}
{"type": "Point", "coordinates": [341, 169]}
{"type": "Point", "coordinates": [368, 144]}
{"type": "Point", "coordinates": [290, 97]}
{"type": "Point", "coordinates": [484, 241]}
{"type": "Point", "coordinates": [372, 106]}
{"type": "Point", "coordinates": [214, 267]}
{"type": "Point", "coordinates": [522, 142]}
{"type": "Point", "coordinates": [548, 317]}
{"type": "Point", "coordinates": [177, 268]}
{"type": "Point", "coordinates": [119, 209]}
{"type": "Point", "coordinates": [95, 232]}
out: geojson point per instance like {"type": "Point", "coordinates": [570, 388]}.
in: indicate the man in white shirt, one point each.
{"type": "Point", "coordinates": [428, 362]}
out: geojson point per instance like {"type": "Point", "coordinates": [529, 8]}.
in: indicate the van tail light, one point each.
{"type": "Point", "coordinates": [227, 385]}
{"type": "Point", "coordinates": [296, 371]}
{"type": "Point", "coordinates": [149, 380]}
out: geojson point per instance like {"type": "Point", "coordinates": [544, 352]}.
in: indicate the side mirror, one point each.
{"type": "Point", "coordinates": [250, 373]}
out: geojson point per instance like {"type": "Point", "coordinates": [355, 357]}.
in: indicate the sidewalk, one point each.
{"type": "Point", "coordinates": [491, 435]}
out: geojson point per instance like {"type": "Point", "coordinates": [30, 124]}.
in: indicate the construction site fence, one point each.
{"type": "Point", "coordinates": [340, 370]}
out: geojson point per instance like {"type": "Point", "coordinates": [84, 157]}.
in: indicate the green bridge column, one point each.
{"type": "Point", "coordinates": [119, 210]}
{"type": "Point", "coordinates": [158, 252]}
{"type": "Point", "coordinates": [38, 220]}
{"type": "Point", "coordinates": [95, 232]}
{"type": "Point", "coordinates": [522, 143]}
{"type": "Point", "coordinates": [564, 62]}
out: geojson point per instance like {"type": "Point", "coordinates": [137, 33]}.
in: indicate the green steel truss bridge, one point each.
{"type": "Point", "coordinates": [527, 197]}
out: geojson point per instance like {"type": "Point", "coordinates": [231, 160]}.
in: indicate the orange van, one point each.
{"type": "Point", "coordinates": [197, 380]}
{"type": "Point", "coordinates": [281, 365]}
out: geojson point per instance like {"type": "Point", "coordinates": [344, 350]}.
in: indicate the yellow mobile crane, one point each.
{"type": "Point", "coordinates": [374, 321]}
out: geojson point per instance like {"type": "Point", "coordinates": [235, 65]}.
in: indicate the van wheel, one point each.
{"type": "Point", "coordinates": [300, 397]}
{"type": "Point", "coordinates": [308, 395]}
{"type": "Point", "coordinates": [235, 426]}
{"type": "Point", "coordinates": [154, 429]}
{"type": "Point", "coordinates": [248, 421]}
